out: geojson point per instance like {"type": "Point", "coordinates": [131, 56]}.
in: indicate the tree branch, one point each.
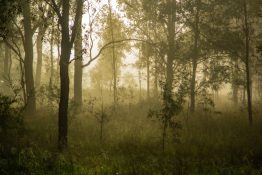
{"type": "Point", "coordinates": [108, 45]}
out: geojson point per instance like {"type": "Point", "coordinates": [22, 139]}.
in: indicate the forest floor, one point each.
{"type": "Point", "coordinates": [131, 143]}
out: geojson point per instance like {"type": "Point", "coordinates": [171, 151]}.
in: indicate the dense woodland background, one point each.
{"type": "Point", "coordinates": [131, 87]}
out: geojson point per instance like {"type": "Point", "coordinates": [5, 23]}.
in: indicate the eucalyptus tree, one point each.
{"type": "Point", "coordinates": [166, 18]}
{"type": "Point", "coordinates": [232, 24]}
{"type": "Point", "coordinates": [78, 71]}
{"type": "Point", "coordinates": [107, 69]}
{"type": "Point", "coordinates": [66, 46]}
{"type": "Point", "coordinates": [28, 61]}
{"type": "Point", "coordinates": [43, 21]}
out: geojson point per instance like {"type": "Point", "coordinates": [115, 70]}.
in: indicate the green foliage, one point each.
{"type": "Point", "coordinates": [9, 9]}
{"type": "Point", "coordinates": [11, 122]}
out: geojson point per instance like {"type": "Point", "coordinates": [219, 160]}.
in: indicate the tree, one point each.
{"type": "Point", "coordinates": [107, 69]}
{"type": "Point", "coordinates": [28, 61]}
{"type": "Point", "coordinates": [66, 46]}
{"type": "Point", "coordinates": [247, 61]}
{"type": "Point", "coordinates": [42, 24]}
{"type": "Point", "coordinates": [78, 62]}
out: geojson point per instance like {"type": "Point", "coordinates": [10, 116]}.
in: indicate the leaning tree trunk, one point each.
{"type": "Point", "coordinates": [28, 61]}
{"type": "Point", "coordinates": [78, 64]}
{"type": "Point", "coordinates": [194, 60]}
{"type": "Point", "coordinates": [247, 64]}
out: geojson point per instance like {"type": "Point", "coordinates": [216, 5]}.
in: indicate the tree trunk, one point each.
{"type": "Point", "coordinates": [78, 64]}
{"type": "Point", "coordinates": [148, 76]}
{"type": "Point", "coordinates": [7, 62]}
{"type": "Point", "coordinates": [28, 62]}
{"type": "Point", "coordinates": [247, 65]}
{"type": "Point", "coordinates": [39, 47]}
{"type": "Point", "coordinates": [113, 56]}
{"type": "Point", "coordinates": [194, 60]}
{"type": "Point", "coordinates": [156, 79]}
{"type": "Point", "coordinates": [170, 54]}
{"type": "Point", "coordinates": [64, 78]}
{"type": "Point", "coordinates": [66, 46]}
{"type": "Point", "coordinates": [51, 80]}
{"type": "Point", "coordinates": [167, 95]}
{"type": "Point", "coordinates": [235, 86]}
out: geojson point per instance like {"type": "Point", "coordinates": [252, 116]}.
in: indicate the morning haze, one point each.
{"type": "Point", "coordinates": [130, 87]}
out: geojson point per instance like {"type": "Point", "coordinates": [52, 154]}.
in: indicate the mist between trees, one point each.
{"type": "Point", "coordinates": [130, 87]}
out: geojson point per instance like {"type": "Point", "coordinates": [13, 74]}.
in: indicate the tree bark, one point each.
{"type": "Point", "coordinates": [7, 62]}
{"type": "Point", "coordinates": [39, 48]}
{"type": "Point", "coordinates": [28, 62]}
{"type": "Point", "coordinates": [78, 64]}
{"type": "Point", "coordinates": [235, 86]}
{"type": "Point", "coordinates": [156, 79]}
{"type": "Point", "coordinates": [247, 64]}
{"type": "Point", "coordinates": [51, 80]}
{"type": "Point", "coordinates": [194, 60]}
{"type": "Point", "coordinates": [171, 49]}
{"type": "Point", "coordinates": [64, 77]}
{"type": "Point", "coordinates": [113, 56]}
{"type": "Point", "coordinates": [147, 76]}
{"type": "Point", "coordinates": [66, 46]}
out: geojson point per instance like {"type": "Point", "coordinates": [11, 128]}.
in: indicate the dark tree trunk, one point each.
{"type": "Point", "coordinates": [28, 62]}
{"type": "Point", "coordinates": [247, 65]}
{"type": "Point", "coordinates": [64, 77]}
{"type": "Point", "coordinates": [66, 46]}
{"type": "Point", "coordinates": [235, 86]}
{"type": "Point", "coordinates": [194, 60]}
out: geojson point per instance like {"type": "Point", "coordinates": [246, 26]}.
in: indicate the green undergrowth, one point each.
{"type": "Point", "coordinates": [208, 144]}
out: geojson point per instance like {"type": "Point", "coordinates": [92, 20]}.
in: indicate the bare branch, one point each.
{"type": "Point", "coordinates": [17, 52]}
{"type": "Point", "coordinates": [54, 5]}
{"type": "Point", "coordinates": [108, 45]}
{"type": "Point", "coordinates": [20, 32]}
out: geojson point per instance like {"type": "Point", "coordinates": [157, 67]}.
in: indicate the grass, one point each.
{"type": "Point", "coordinates": [208, 144]}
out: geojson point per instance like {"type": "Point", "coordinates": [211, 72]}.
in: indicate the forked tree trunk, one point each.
{"type": "Point", "coordinates": [66, 46]}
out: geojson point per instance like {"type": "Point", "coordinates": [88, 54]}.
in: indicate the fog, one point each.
{"type": "Point", "coordinates": [130, 87]}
